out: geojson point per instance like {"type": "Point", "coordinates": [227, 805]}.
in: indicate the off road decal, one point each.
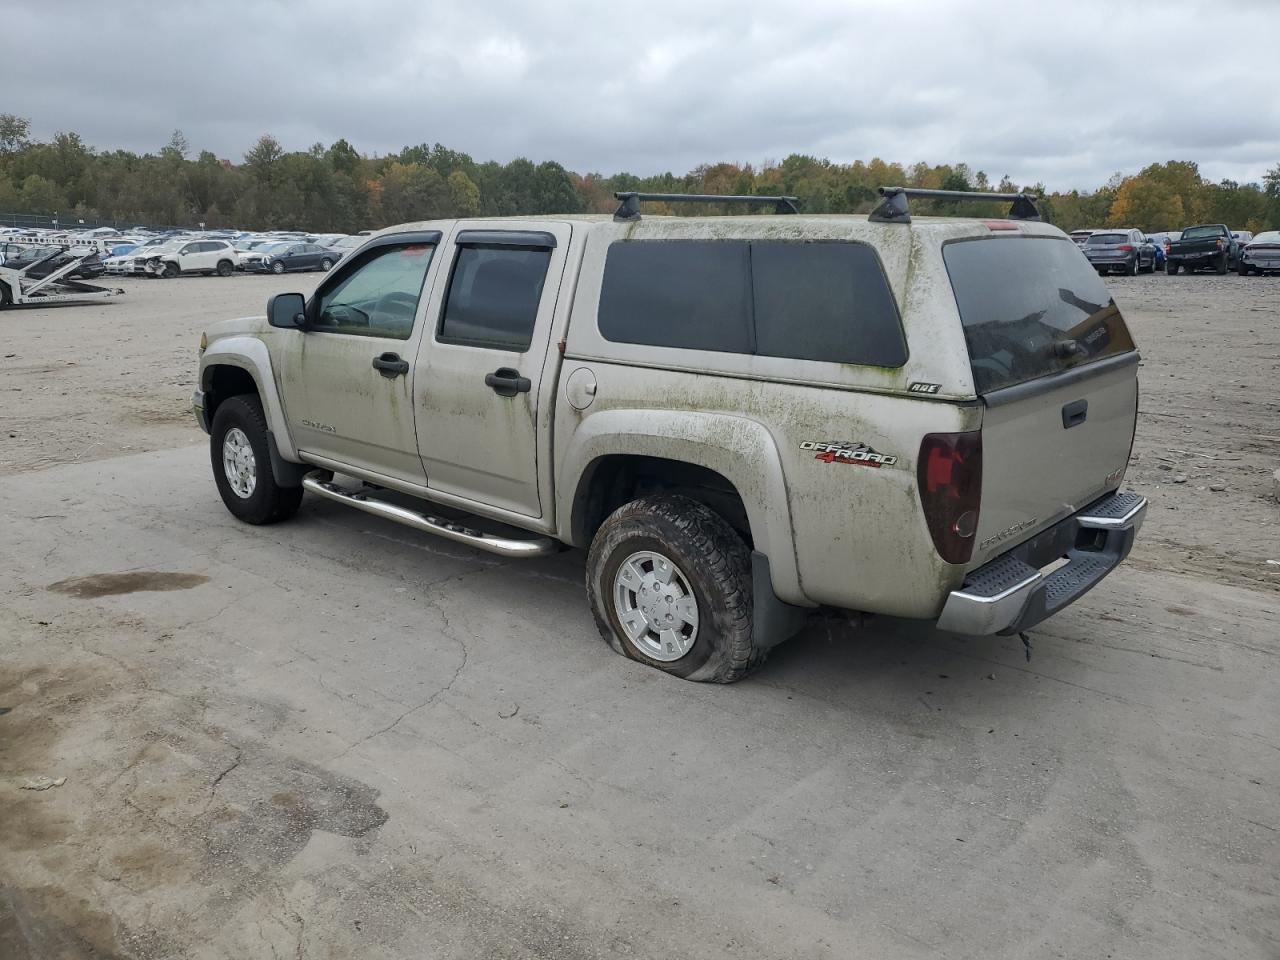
{"type": "Point", "coordinates": [844, 451]}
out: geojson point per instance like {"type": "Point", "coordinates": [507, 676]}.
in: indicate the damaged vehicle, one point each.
{"type": "Point", "coordinates": [740, 419]}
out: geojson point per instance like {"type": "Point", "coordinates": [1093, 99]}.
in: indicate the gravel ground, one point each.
{"type": "Point", "coordinates": [340, 738]}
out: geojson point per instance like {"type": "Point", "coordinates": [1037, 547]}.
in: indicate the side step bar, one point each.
{"type": "Point", "coordinates": [535, 546]}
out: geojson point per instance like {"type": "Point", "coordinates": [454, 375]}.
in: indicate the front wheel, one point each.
{"type": "Point", "coordinates": [241, 462]}
{"type": "Point", "coordinates": [277, 268]}
{"type": "Point", "coordinates": [326, 265]}
{"type": "Point", "coordinates": [170, 271]}
{"type": "Point", "coordinates": [670, 586]}
{"type": "Point", "coordinates": [6, 298]}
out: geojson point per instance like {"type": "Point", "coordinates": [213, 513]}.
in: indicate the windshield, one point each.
{"type": "Point", "coordinates": [1031, 307]}
{"type": "Point", "coordinates": [1197, 233]}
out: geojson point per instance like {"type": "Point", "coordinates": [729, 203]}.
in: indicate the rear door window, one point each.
{"type": "Point", "coordinates": [824, 301]}
{"type": "Point", "coordinates": [493, 297]}
{"type": "Point", "coordinates": [1031, 307]}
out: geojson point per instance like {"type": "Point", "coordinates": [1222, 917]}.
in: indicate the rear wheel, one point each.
{"type": "Point", "coordinates": [1131, 268]}
{"type": "Point", "coordinates": [241, 462]}
{"type": "Point", "coordinates": [225, 268]}
{"type": "Point", "coordinates": [670, 586]}
{"type": "Point", "coordinates": [1221, 266]}
{"type": "Point", "coordinates": [6, 296]}
{"type": "Point", "coordinates": [326, 265]}
{"type": "Point", "coordinates": [1170, 268]}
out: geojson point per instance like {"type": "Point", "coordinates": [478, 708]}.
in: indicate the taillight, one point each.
{"type": "Point", "coordinates": [949, 473]}
{"type": "Point", "coordinates": [1126, 247]}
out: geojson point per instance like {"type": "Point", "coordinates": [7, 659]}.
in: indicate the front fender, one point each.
{"type": "Point", "coordinates": [739, 449]}
{"type": "Point", "coordinates": [250, 354]}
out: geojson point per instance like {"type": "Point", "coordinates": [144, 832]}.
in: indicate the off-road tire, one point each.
{"type": "Point", "coordinates": [269, 502]}
{"type": "Point", "coordinates": [225, 268]}
{"type": "Point", "coordinates": [716, 564]}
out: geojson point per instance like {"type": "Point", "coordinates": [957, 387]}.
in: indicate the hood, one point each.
{"type": "Point", "coordinates": [237, 327]}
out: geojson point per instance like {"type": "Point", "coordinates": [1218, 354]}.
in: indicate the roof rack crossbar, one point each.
{"type": "Point", "coordinates": [629, 202]}
{"type": "Point", "coordinates": [893, 208]}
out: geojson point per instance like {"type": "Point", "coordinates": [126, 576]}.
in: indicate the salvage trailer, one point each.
{"type": "Point", "coordinates": [48, 280]}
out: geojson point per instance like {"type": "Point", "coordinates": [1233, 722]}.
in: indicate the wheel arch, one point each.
{"type": "Point", "coordinates": [728, 462]}
{"type": "Point", "coordinates": [236, 364]}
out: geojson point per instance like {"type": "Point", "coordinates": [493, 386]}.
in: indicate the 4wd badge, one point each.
{"type": "Point", "coordinates": [844, 451]}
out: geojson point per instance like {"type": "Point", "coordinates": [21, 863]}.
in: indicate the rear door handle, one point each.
{"type": "Point", "coordinates": [1074, 413]}
{"type": "Point", "coordinates": [390, 365]}
{"type": "Point", "coordinates": [507, 382]}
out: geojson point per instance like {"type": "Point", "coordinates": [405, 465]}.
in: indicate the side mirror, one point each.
{"type": "Point", "coordinates": [287, 310]}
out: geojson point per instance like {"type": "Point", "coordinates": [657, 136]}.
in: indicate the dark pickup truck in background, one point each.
{"type": "Point", "coordinates": [1206, 245]}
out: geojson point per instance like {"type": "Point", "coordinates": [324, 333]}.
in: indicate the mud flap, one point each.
{"type": "Point", "coordinates": [772, 620]}
{"type": "Point", "coordinates": [286, 472]}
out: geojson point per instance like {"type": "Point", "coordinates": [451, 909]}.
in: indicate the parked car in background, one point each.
{"type": "Point", "coordinates": [291, 257]}
{"type": "Point", "coordinates": [1204, 245]}
{"type": "Point", "coordinates": [1260, 254]}
{"type": "Point", "coordinates": [1080, 236]}
{"type": "Point", "coordinates": [1242, 236]}
{"type": "Point", "coordinates": [134, 261]}
{"type": "Point", "coordinates": [1125, 250]}
{"type": "Point", "coordinates": [193, 256]}
{"type": "Point", "coordinates": [346, 245]}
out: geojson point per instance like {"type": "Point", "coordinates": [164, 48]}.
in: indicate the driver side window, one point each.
{"type": "Point", "coordinates": [378, 296]}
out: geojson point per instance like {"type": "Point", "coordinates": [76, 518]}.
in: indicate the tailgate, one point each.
{"type": "Point", "coordinates": [1056, 367]}
{"type": "Point", "coordinates": [1046, 455]}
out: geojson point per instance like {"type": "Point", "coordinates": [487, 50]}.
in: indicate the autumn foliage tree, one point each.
{"type": "Point", "coordinates": [336, 188]}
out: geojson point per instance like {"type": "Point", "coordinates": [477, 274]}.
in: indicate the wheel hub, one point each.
{"type": "Point", "coordinates": [239, 463]}
{"type": "Point", "coordinates": [656, 606]}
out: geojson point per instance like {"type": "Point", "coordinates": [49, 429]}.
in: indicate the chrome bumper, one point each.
{"type": "Point", "coordinates": [1012, 593]}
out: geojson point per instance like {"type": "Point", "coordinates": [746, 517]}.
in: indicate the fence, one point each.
{"type": "Point", "coordinates": [32, 221]}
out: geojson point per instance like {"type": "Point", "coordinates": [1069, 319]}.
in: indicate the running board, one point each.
{"type": "Point", "coordinates": [449, 529]}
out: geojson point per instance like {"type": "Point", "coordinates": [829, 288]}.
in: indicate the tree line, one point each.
{"type": "Point", "coordinates": [338, 189]}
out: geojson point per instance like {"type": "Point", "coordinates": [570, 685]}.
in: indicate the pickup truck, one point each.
{"type": "Point", "coordinates": [1206, 245]}
{"type": "Point", "coordinates": [740, 419]}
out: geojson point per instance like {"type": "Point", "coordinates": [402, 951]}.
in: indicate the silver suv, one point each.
{"type": "Point", "coordinates": [741, 418]}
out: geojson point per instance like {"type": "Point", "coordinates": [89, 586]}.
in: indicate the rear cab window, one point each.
{"type": "Point", "coordinates": [1031, 307]}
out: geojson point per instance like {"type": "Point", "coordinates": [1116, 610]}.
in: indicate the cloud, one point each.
{"type": "Point", "coordinates": [1063, 93]}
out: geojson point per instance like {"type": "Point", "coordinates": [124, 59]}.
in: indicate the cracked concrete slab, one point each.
{"type": "Point", "coordinates": [311, 747]}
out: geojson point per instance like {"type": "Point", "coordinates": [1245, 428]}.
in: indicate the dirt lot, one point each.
{"type": "Point", "coordinates": [339, 738]}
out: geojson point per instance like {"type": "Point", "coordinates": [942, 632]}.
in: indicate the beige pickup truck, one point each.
{"type": "Point", "coordinates": [741, 419]}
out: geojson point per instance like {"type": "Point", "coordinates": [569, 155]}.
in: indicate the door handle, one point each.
{"type": "Point", "coordinates": [1074, 413]}
{"type": "Point", "coordinates": [507, 382]}
{"type": "Point", "coordinates": [390, 365]}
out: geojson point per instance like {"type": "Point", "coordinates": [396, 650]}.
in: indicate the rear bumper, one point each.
{"type": "Point", "coordinates": [1012, 593]}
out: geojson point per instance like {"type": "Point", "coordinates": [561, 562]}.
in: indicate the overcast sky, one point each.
{"type": "Point", "coordinates": [1066, 92]}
